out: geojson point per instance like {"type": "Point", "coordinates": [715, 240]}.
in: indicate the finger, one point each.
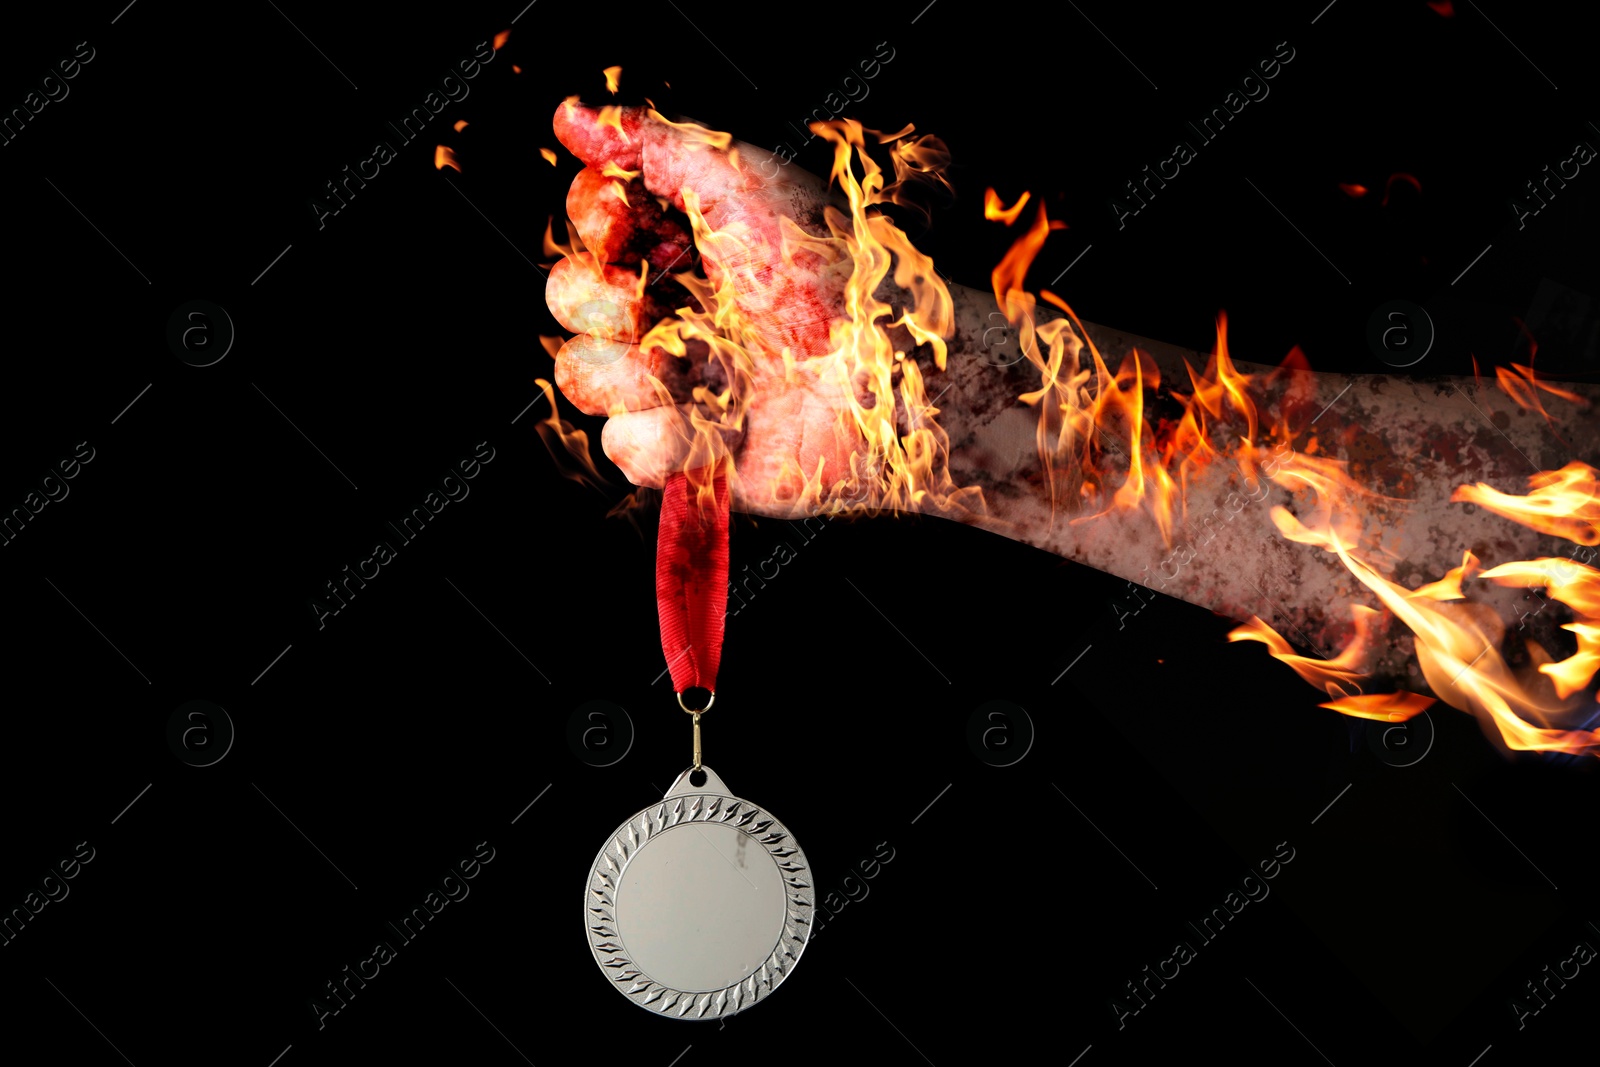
{"type": "Point", "coordinates": [684, 156]}
{"type": "Point", "coordinates": [601, 299]}
{"type": "Point", "coordinates": [673, 155]}
{"type": "Point", "coordinates": [621, 222]}
{"type": "Point", "coordinates": [747, 200]}
{"type": "Point", "coordinates": [745, 197]}
{"type": "Point", "coordinates": [605, 377]}
{"type": "Point", "coordinates": [600, 136]}
{"type": "Point", "coordinates": [648, 445]}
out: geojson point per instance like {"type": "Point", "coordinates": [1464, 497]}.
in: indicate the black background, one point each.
{"type": "Point", "coordinates": [428, 714]}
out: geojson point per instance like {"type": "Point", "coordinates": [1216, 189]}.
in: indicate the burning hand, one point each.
{"type": "Point", "coordinates": [1279, 497]}
{"type": "Point", "coordinates": [757, 365]}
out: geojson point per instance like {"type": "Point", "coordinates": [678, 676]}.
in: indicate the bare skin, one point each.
{"type": "Point", "coordinates": [1410, 440]}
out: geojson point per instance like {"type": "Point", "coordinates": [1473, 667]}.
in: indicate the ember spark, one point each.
{"type": "Point", "coordinates": [452, 85]}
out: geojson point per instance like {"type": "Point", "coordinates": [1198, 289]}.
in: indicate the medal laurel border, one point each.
{"type": "Point", "coordinates": [605, 877]}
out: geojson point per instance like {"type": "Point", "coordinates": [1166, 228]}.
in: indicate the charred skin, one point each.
{"type": "Point", "coordinates": [1411, 440]}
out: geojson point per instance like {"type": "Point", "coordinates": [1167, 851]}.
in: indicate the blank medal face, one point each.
{"type": "Point", "coordinates": [700, 904]}
{"type": "Point", "coordinates": [699, 908]}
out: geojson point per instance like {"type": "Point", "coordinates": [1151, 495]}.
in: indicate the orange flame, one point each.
{"type": "Point", "coordinates": [1384, 707]}
{"type": "Point", "coordinates": [919, 165]}
{"type": "Point", "coordinates": [501, 38]}
{"type": "Point", "coordinates": [892, 467]}
{"type": "Point", "coordinates": [1340, 676]}
{"type": "Point", "coordinates": [549, 156]}
{"type": "Point", "coordinates": [1458, 646]}
{"type": "Point", "coordinates": [1563, 502]}
{"type": "Point", "coordinates": [460, 125]}
{"type": "Point", "coordinates": [1577, 586]}
{"type": "Point", "coordinates": [556, 249]}
{"type": "Point", "coordinates": [992, 208]}
{"type": "Point", "coordinates": [613, 77]}
{"type": "Point", "coordinates": [611, 115]}
{"type": "Point", "coordinates": [1012, 270]}
{"type": "Point", "coordinates": [445, 157]}
{"type": "Point", "coordinates": [574, 443]}
{"type": "Point", "coordinates": [692, 134]}
{"type": "Point", "coordinates": [1523, 386]}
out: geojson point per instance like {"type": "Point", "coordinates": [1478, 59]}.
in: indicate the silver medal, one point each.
{"type": "Point", "coordinates": [700, 905]}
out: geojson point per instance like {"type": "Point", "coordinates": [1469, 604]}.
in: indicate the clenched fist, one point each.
{"type": "Point", "coordinates": [764, 243]}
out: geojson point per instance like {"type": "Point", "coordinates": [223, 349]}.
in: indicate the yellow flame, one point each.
{"type": "Point", "coordinates": [893, 467]}
{"type": "Point", "coordinates": [1383, 707]}
{"type": "Point", "coordinates": [1577, 586]}
{"type": "Point", "coordinates": [692, 134]}
{"type": "Point", "coordinates": [1523, 386]}
{"type": "Point", "coordinates": [1340, 676]}
{"type": "Point", "coordinates": [993, 209]}
{"type": "Point", "coordinates": [1565, 503]}
{"type": "Point", "coordinates": [574, 443]}
{"type": "Point", "coordinates": [611, 115]}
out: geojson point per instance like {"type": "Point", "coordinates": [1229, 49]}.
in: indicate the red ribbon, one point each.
{"type": "Point", "coordinates": [692, 581]}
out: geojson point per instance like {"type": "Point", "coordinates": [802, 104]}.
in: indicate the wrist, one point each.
{"type": "Point", "coordinates": [988, 433]}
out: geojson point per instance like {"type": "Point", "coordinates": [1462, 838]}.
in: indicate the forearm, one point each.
{"type": "Point", "coordinates": [1413, 441]}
